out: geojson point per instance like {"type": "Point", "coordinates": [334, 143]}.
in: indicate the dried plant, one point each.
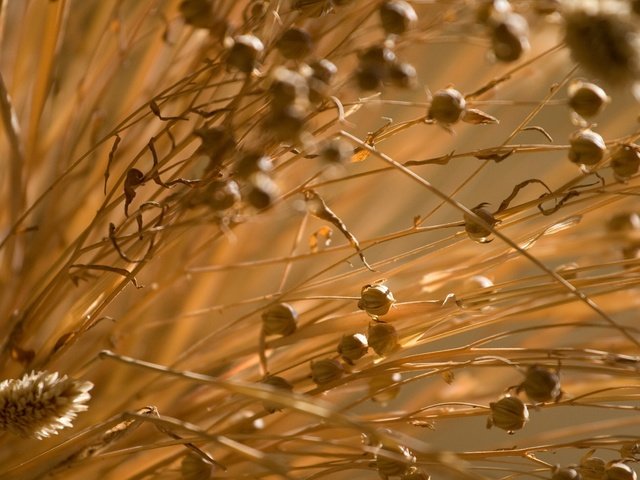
{"type": "Point", "coordinates": [319, 239]}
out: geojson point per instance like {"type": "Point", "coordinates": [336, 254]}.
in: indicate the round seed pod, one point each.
{"type": "Point", "coordinates": [415, 473]}
{"type": "Point", "coordinates": [390, 466]}
{"type": "Point", "coordinates": [376, 299]}
{"type": "Point", "coordinates": [447, 106]}
{"type": "Point", "coordinates": [402, 75]}
{"type": "Point", "coordinates": [587, 99]}
{"type": "Point", "coordinates": [326, 371]}
{"type": "Point", "coordinates": [541, 384]}
{"type": "Point", "coordinates": [323, 70]}
{"type": "Point", "coordinates": [565, 473]}
{"type": "Point", "coordinates": [508, 413]}
{"type": "Point", "coordinates": [335, 151]}
{"type": "Point", "coordinates": [223, 194]}
{"type": "Point", "coordinates": [244, 53]}
{"type": "Point", "coordinates": [280, 319]}
{"type": "Point", "coordinates": [624, 222]}
{"type": "Point", "coordinates": [625, 161]}
{"type": "Point", "coordinates": [253, 162]}
{"type": "Point", "coordinates": [295, 44]}
{"type": "Point", "coordinates": [197, 13]}
{"type": "Point", "coordinates": [288, 87]}
{"type": "Point", "coordinates": [194, 467]}
{"type": "Point", "coordinates": [262, 191]}
{"type": "Point", "coordinates": [369, 78]}
{"type": "Point", "coordinates": [382, 338]}
{"type": "Point", "coordinates": [217, 142]}
{"type": "Point", "coordinates": [474, 229]}
{"type": "Point", "coordinates": [377, 56]}
{"type": "Point", "coordinates": [277, 383]}
{"type": "Point", "coordinates": [509, 37]}
{"type": "Point", "coordinates": [592, 468]}
{"type": "Point", "coordinates": [384, 388]}
{"type": "Point", "coordinates": [629, 449]}
{"type": "Point", "coordinates": [285, 124]}
{"type": "Point", "coordinates": [353, 347]}
{"type": "Point", "coordinates": [397, 16]}
{"type": "Point", "coordinates": [586, 147]}
{"type": "Point", "coordinates": [619, 471]}
{"type": "Point", "coordinates": [490, 10]}
{"type": "Point", "coordinates": [605, 43]}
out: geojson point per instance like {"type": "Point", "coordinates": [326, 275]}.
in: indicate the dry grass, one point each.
{"type": "Point", "coordinates": [121, 266]}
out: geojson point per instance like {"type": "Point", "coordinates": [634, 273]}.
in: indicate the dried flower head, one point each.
{"type": "Point", "coordinates": [508, 413]}
{"type": "Point", "coordinates": [41, 403]}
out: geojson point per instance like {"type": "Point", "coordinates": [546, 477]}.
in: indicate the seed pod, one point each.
{"type": "Point", "coordinates": [376, 299]}
{"type": "Point", "coordinates": [244, 53]}
{"type": "Point", "coordinates": [223, 194]}
{"type": "Point", "coordinates": [587, 148]}
{"type": "Point", "coordinates": [391, 467]}
{"type": "Point", "coordinates": [295, 44]}
{"type": "Point", "coordinates": [285, 124]}
{"type": "Point", "coordinates": [625, 161]}
{"type": "Point", "coordinates": [217, 143]}
{"type": "Point", "coordinates": [509, 37]}
{"type": "Point", "coordinates": [447, 106]}
{"type": "Point", "coordinates": [397, 16]}
{"type": "Point", "coordinates": [279, 319]}
{"type": "Point", "coordinates": [587, 99]}
{"type": "Point", "coordinates": [474, 229]}
{"type": "Point", "coordinates": [253, 162]}
{"type": "Point", "coordinates": [489, 11]}
{"type": "Point", "coordinates": [335, 151]}
{"type": "Point", "coordinates": [382, 338]}
{"type": "Point", "coordinates": [402, 75]}
{"type": "Point", "coordinates": [541, 384]}
{"type": "Point", "coordinates": [508, 413]}
{"type": "Point", "coordinates": [566, 473]}
{"type": "Point", "coordinates": [280, 384]}
{"type": "Point", "coordinates": [604, 43]}
{"type": "Point", "coordinates": [592, 468]}
{"type": "Point", "coordinates": [629, 450]}
{"type": "Point", "coordinates": [619, 471]}
{"type": "Point", "coordinates": [326, 371]}
{"type": "Point", "coordinates": [197, 13]}
{"type": "Point", "coordinates": [287, 88]}
{"type": "Point", "coordinates": [353, 347]}
{"type": "Point", "coordinates": [384, 387]}
{"type": "Point", "coordinates": [323, 70]}
{"type": "Point", "coordinates": [625, 221]}
{"type": "Point", "coordinates": [262, 191]}
{"type": "Point", "coordinates": [377, 56]}
{"type": "Point", "coordinates": [415, 473]}
{"type": "Point", "coordinates": [369, 78]}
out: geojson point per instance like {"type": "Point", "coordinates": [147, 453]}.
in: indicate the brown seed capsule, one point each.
{"type": "Point", "coordinates": [509, 37]}
{"type": "Point", "coordinates": [604, 43]}
{"type": "Point", "coordinates": [280, 384]}
{"type": "Point", "coordinates": [587, 99]}
{"type": "Point", "coordinates": [262, 191]}
{"type": "Point", "coordinates": [474, 229]}
{"type": "Point", "coordinates": [295, 44]}
{"type": "Point", "coordinates": [629, 450]}
{"type": "Point", "coordinates": [541, 384]}
{"type": "Point", "coordinates": [586, 148]}
{"type": "Point", "coordinates": [353, 347]}
{"type": "Point", "coordinates": [382, 338]}
{"type": "Point", "coordinates": [488, 11]}
{"type": "Point", "coordinates": [194, 467]}
{"type": "Point", "coordinates": [625, 161]}
{"type": "Point", "coordinates": [288, 87]}
{"type": "Point", "coordinates": [384, 387]}
{"type": "Point", "coordinates": [323, 70]}
{"type": "Point", "coordinates": [391, 466]}
{"type": "Point", "coordinates": [286, 124]}
{"type": "Point", "coordinates": [376, 299]}
{"type": "Point", "coordinates": [397, 16]}
{"type": "Point", "coordinates": [402, 75]}
{"type": "Point", "coordinates": [377, 56]}
{"type": "Point", "coordinates": [335, 151]}
{"type": "Point", "coordinates": [415, 473]}
{"type": "Point", "coordinates": [369, 78]}
{"type": "Point", "coordinates": [508, 413]}
{"type": "Point", "coordinates": [565, 473]}
{"type": "Point", "coordinates": [447, 106]}
{"type": "Point", "coordinates": [619, 471]}
{"type": "Point", "coordinates": [198, 13]}
{"type": "Point", "coordinates": [592, 468]}
{"type": "Point", "coordinates": [253, 162]}
{"type": "Point", "coordinates": [244, 53]}
{"type": "Point", "coordinates": [217, 143]}
{"type": "Point", "coordinates": [626, 221]}
{"type": "Point", "coordinates": [223, 194]}
{"type": "Point", "coordinates": [280, 319]}
{"type": "Point", "coordinates": [326, 371]}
